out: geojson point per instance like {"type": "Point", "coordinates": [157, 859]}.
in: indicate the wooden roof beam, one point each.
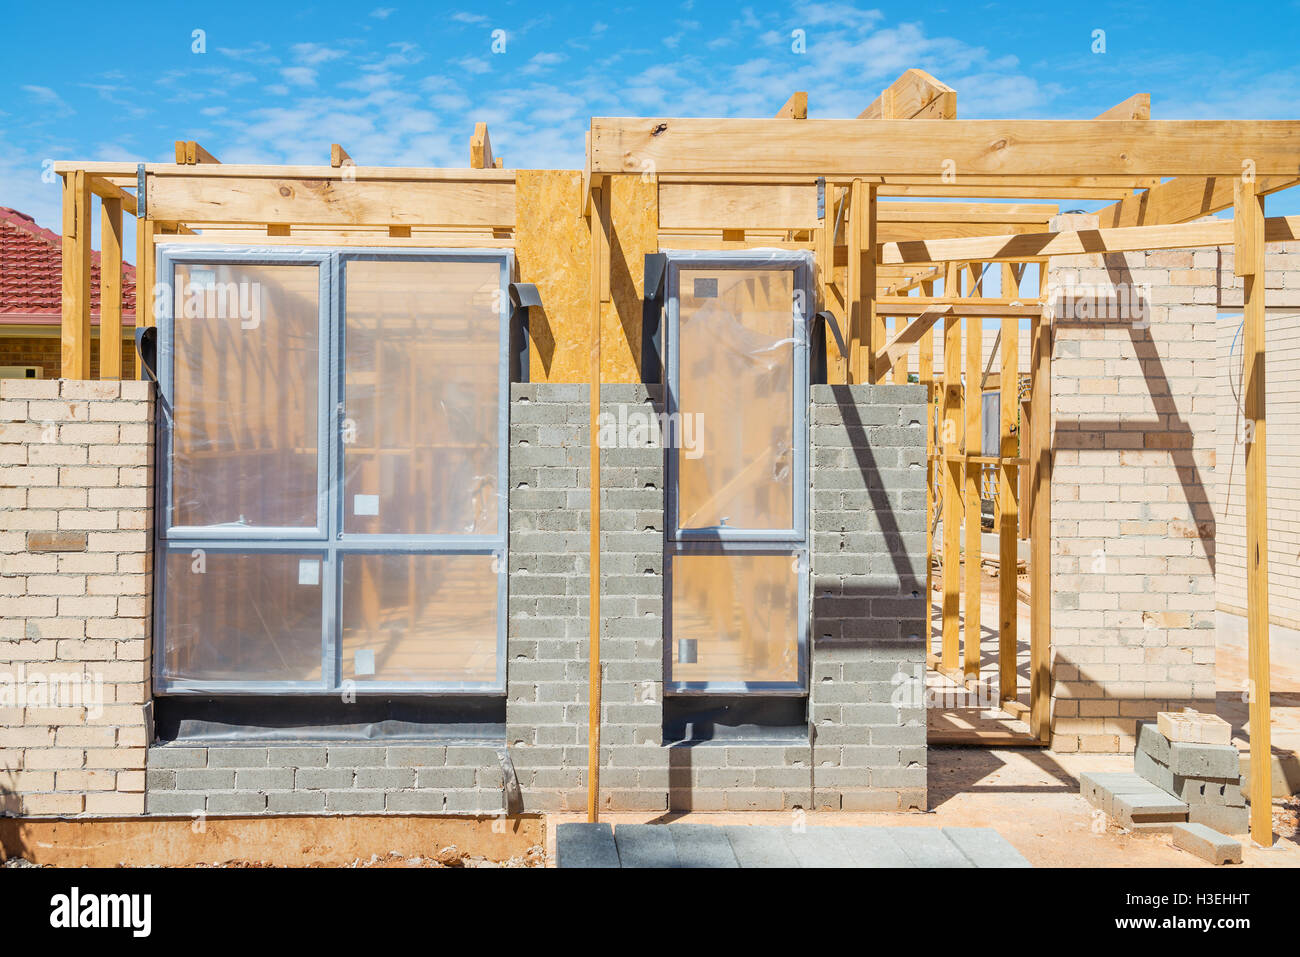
{"type": "Point", "coordinates": [915, 95]}
{"type": "Point", "coordinates": [480, 150]}
{"type": "Point", "coordinates": [190, 153]}
{"type": "Point", "coordinates": [1012, 148]}
{"type": "Point", "coordinates": [340, 157]}
{"type": "Point", "coordinates": [1136, 107]}
{"type": "Point", "coordinates": [1017, 248]}
{"type": "Point", "coordinates": [795, 108]}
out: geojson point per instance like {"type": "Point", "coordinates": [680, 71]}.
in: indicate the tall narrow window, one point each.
{"type": "Point", "coordinates": [736, 574]}
{"type": "Point", "coordinates": [333, 451]}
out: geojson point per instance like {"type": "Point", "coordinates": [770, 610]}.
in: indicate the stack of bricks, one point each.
{"type": "Point", "coordinates": [1184, 770]}
{"type": "Point", "coordinates": [1133, 527]}
{"type": "Point", "coordinates": [1191, 756]}
{"type": "Point", "coordinates": [76, 497]}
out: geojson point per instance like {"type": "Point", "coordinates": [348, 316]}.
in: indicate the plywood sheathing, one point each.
{"type": "Point", "coordinates": [553, 250]}
{"type": "Point", "coordinates": [634, 215]}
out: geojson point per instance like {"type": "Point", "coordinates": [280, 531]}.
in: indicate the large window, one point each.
{"type": "Point", "coordinates": [737, 555]}
{"type": "Point", "coordinates": [333, 454]}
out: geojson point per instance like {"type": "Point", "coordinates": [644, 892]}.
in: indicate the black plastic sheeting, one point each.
{"type": "Point", "coordinates": [250, 719]}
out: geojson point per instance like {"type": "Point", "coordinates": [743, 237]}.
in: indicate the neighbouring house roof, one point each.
{"type": "Point", "coordinates": [31, 270]}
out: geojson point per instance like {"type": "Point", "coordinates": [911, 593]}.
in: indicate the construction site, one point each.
{"type": "Point", "coordinates": [769, 492]}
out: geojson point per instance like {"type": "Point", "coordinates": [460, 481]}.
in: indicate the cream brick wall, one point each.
{"type": "Point", "coordinates": [76, 497]}
{"type": "Point", "coordinates": [1282, 378]}
{"type": "Point", "coordinates": [1132, 515]}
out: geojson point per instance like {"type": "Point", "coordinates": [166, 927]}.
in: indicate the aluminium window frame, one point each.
{"type": "Point", "coordinates": [727, 540]}
{"type": "Point", "coordinates": [327, 540]}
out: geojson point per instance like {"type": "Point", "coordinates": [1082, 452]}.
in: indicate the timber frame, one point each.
{"type": "Point", "coordinates": [889, 205]}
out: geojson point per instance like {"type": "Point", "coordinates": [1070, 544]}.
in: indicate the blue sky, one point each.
{"type": "Point", "coordinates": [402, 83]}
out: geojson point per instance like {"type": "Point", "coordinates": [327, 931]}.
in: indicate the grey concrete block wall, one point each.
{"type": "Point", "coordinates": [867, 747]}
{"type": "Point", "coordinates": [868, 606]}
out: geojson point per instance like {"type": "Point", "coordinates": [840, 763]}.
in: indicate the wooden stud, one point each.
{"type": "Point", "coordinates": [339, 156]}
{"type": "Point", "coordinates": [110, 289]}
{"type": "Point", "coordinates": [925, 369]}
{"type": "Point", "coordinates": [974, 516]}
{"type": "Point", "coordinates": [600, 253]}
{"type": "Point", "coordinates": [75, 333]}
{"type": "Point", "coordinates": [952, 471]}
{"type": "Point", "coordinates": [862, 283]}
{"type": "Point", "coordinates": [1249, 262]}
{"type": "Point", "coordinates": [1040, 541]}
{"type": "Point", "coordinates": [1008, 500]}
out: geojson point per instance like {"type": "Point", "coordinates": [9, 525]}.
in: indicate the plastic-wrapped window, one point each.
{"type": "Point", "coordinates": [420, 450]}
{"type": "Point", "coordinates": [245, 360]}
{"type": "Point", "coordinates": [427, 618]}
{"type": "Point", "coordinates": [334, 426]}
{"type": "Point", "coordinates": [737, 402]}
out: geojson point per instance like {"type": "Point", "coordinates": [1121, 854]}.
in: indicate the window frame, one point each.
{"type": "Point", "coordinates": [726, 540]}
{"type": "Point", "coordinates": [327, 539]}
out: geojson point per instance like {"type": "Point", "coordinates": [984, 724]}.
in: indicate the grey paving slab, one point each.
{"type": "Point", "coordinates": [760, 846]}
{"type": "Point", "coordinates": [928, 847]}
{"type": "Point", "coordinates": [819, 847]}
{"type": "Point", "coordinates": [985, 847]}
{"type": "Point", "coordinates": [873, 847]}
{"type": "Point", "coordinates": [585, 845]}
{"type": "Point", "coordinates": [689, 844]}
{"type": "Point", "coordinates": [645, 845]}
{"type": "Point", "coordinates": [702, 845]}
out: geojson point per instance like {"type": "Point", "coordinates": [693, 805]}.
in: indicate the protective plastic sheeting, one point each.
{"type": "Point", "coordinates": [419, 618]}
{"type": "Point", "coordinates": [736, 396]}
{"type": "Point", "coordinates": [238, 616]}
{"type": "Point", "coordinates": [735, 618]}
{"type": "Point", "coordinates": [422, 380]}
{"type": "Point", "coordinates": [245, 361]}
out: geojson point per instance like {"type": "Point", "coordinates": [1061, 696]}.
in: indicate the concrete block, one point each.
{"type": "Point", "coordinates": [1190, 790]}
{"type": "Point", "coordinates": [1228, 820]}
{"type": "Point", "coordinates": [1204, 760]}
{"type": "Point", "coordinates": [585, 845]}
{"type": "Point", "coordinates": [1154, 743]}
{"type": "Point", "coordinates": [1152, 807]}
{"type": "Point", "coordinates": [1206, 843]}
{"type": "Point", "coordinates": [1099, 788]}
{"type": "Point", "coordinates": [1193, 727]}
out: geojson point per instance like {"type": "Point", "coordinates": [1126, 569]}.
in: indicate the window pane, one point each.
{"type": "Point", "coordinates": [243, 617]}
{"type": "Point", "coordinates": [735, 391]}
{"type": "Point", "coordinates": [429, 618]}
{"type": "Point", "coordinates": [735, 618]}
{"type": "Point", "coordinates": [423, 366]}
{"type": "Point", "coordinates": [244, 442]}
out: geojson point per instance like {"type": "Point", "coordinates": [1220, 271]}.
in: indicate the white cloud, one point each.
{"type": "Point", "coordinates": [299, 75]}
{"type": "Point", "coordinates": [383, 13]}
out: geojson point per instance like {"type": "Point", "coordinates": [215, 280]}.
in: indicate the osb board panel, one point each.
{"type": "Point", "coordinates": [553, 250]}
{"type": "Point", "coordinates": [634, 214]}
{"type": "Point", "coordinates": [280, 841]}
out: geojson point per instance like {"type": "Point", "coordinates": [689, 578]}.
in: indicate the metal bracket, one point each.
{"type": "Point", "coordinates": [141, 199]}
{"type": "Point", "coordinates": [821, 197]}
{"type": "Point", "coordinates": [830, 320]}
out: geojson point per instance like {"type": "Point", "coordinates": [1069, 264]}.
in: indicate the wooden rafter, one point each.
{"type": "Point", "coordinates": [795, 108]}
{"type": "Point", "coordinates": [915, 95]}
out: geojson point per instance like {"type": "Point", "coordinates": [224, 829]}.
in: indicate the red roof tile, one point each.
{"type": "Point", "coordinates": [31, 269]}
